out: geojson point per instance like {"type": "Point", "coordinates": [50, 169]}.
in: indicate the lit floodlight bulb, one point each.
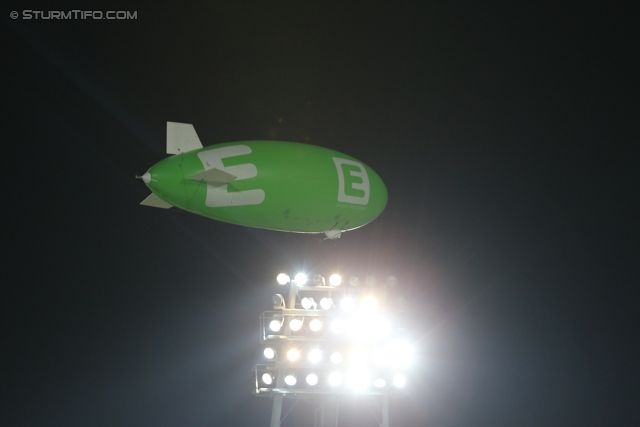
{"type": "Point", "coordinates": [315, 325]}
{"type": "Point", "coordinates": [312, 379]}
{"type": "Point", "coordinates": [275, 325]}
{"type": "Point", "coordinates": [379, 383]}
{"type": "Point", "coordinates": [337, 326]}
{"type": "Point", "coordinates": [336, 358]}
{"type": "Point", "coordinates": [335, 379]}
{"type": "Point", "coordinates": [358, 379]}
{"type": "Point", "coordinates": [295, 324]}
{"type": "Point", "coordinates": [290, 380]}
{"type": "Point", "coordinates": [335, 280]}
{"type": "Point", "coordinates": [326, 303]}
{"type": "Point", "coordinates": [315, 356]}
{"type": "Point", "coordinates": [301, 279]}
{"type": "Point", "coordinates": [267, 378]}
{"type": "Point", "coordinates": [293, 355]}
{"type": "Point", "coordinates": [307, 303]}
{"type": "Point", "coordinates": [283, 279]}
{"type": "Point", "coordinates": [269, 353]}
{"type": "Point", "coordinates": [399, 380]}
{"type": "Point", "coordinates": [347, 304]}
{"type": "Point", "coordinates": [369, 304]}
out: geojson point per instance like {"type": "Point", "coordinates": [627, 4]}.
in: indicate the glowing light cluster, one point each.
{"type": "Point", "coordinates": [361, 327]}
{"type": "Point", "coordinates": [331, 335]}
{"type": "Point", "coordinates": [357, 380]}
{"type": "Point", "coordinates": [397, 355]}
{"type": "Point", "coordinates": [302, 279]}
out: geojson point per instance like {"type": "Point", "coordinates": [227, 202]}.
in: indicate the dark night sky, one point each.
{"type": "Point", "coordinates": [507, 137]}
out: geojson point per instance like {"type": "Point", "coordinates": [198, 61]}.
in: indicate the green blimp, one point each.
{"type": "Point", "coordinates": [276, 185]}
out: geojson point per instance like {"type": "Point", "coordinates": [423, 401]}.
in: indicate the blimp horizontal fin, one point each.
{"type": "Point", "coordinates": [215, 176]}
{"type": "Point", "coordinates": [155, 202]}
{"type": "Point", "coordinates": [181, 137]}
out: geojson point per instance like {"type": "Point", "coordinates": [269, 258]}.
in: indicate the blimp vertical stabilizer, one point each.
{"type": "Point", "coordinates": [181, 138]}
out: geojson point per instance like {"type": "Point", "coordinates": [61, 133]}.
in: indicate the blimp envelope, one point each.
{"type": "Point", "coordinates": [276, 185]}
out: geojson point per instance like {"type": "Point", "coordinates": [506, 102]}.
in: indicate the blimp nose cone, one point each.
{"type": "Point", "coordinates": [146, 177]}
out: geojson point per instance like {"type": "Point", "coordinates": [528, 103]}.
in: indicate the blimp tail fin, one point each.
{"type": "Point", "coordinates": [181, 137]}
{"type": "Point", "coordinates": [155, 202]}
{"type": "Point", "coordinates": [215, 176]}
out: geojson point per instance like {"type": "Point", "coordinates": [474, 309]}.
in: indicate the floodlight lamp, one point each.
{"type": "Point", "coordinates": [312, 379]}
{"type": "Point", "coordinates": [269, 353]}
{"type": "Point", "coordinates": [399, 380]}
{"type": "Point", "coordinates": [315, 325]}
{"type": "Point", "coordinates": [335, 379]}
{"type": "Point", "coordinates": [290, 380]}
{"type": "Point", "coordinates": [335, 280]}
{"type": "Point", "coordinates": [354, 281]}
{"type": "Point", "coordinates": [326, 303]}
{"type": "Point", "coordinates": [336, 358]}
{"type": "Point", "coordinates": [370, 281]}
{"type": "Point", "coordinates": [275, 325]}
{"type": "Point", "coordinates": [283, 279]}
{"type": "Point", "coordinates": [317, 280]}
{"type": "Point", "coordinates": [295, 324]}
{"type": "Point", "coordinates": [278, 301]}
{"type": "Point", "coordinates": [267, 378]}
{"type": "Point", "coordinates": [293, 355]}
{"type": "Point", "coordinates": [308, 303]}
{"type": "Point", "coordinates": [347, 304]}
{"type": "Point", "coordinates": [379, 383]}
{"type": "Point", "coordinates": [315, 356]}
{"type": "Point", "coordinates": [301, 279]}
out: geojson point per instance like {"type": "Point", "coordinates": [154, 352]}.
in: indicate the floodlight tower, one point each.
{"type": "Point", "coordinates": [331, 340]}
